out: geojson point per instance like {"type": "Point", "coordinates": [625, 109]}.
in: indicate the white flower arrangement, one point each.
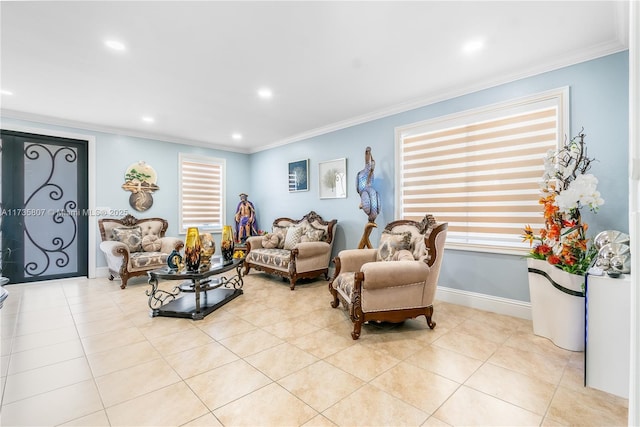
{"type": "Point", "coordinates": [565, 175]}
{"type": "Point", "coordinates": [565, 189]}
{"type": "Point", "coordinates": [581, 192]}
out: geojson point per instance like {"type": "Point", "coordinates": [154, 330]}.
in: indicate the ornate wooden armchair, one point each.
{"type": "Point", "coordinates": [394, 282]}
{"type": "Point", "coordinates": [134, 246]}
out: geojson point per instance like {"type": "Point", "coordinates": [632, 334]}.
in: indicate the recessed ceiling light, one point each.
{"type": "Point", "coordinates": [148, 119]}
{"type": "Point", "coordinates": [473, 46]}
{"type": "Point", "coordinates": [236, 136]}
{"type": "Point", "coordinates": [6, 92]}
{"type": "Point", "coordinates": [265, 93]}
{"type": "Point", "coordinates": [115, 45]}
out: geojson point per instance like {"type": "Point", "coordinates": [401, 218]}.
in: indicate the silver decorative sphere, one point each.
{"type": "Point", "coordinates": [617, 257]}
{"type": "Point", "coordinates": [610, 236]}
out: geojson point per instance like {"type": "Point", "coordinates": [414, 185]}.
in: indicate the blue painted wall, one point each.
{"type": "Point", "coordinates": [114, 155]}
{"type": "Point", "coordinates": [599, 103]}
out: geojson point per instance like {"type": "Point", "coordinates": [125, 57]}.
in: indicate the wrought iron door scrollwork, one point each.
{"type": "Point", "coordinates": [58, 247]}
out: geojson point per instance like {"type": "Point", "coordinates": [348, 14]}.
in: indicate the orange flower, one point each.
{"type": "Point", "coordinates": [553, 259]}
{"type": "Point", "coordinates": [554, 232]}
{"type": "Point", "coordinates": [542, 249]}
{"type": "Point", "coordinates": [581, 244]}
{"type": "Point", "coordinates": [528, 235]}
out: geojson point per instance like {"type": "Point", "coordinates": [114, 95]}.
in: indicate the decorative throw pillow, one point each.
{"type": "Point", "coordinates": [312, 235]}
{"type": "Point", "coordinates": [270, 241]}
{"type": "Point", "coordinates": [420, 250]}
{"type": "Point", "coordinates": [282, 234]}
{"type": "Point", "coordinates": [420, 247]}
{"type": "Point", "coordinates": [151, 243]}
{"type": "Point", "coordinates": [293, 237]}
{"type": "Point", "coordinates": [390, 243]}
{"type": "Point", "coordinates": [130, 236]}
{"type": "Point", "coordinates": [403, 255]}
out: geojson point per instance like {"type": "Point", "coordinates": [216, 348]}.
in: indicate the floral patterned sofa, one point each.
{"type": "Point", "coordinates": [134, 246]}
{"type": "Point", "coordinates": [294, 249]}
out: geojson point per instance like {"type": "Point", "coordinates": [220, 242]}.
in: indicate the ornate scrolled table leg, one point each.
{"type": "Point", "coordinates": [209, 292]}
{"type": "Point", "coordinates": [233, 282]}
{"type": "Point", "coordinates": [158, 297]}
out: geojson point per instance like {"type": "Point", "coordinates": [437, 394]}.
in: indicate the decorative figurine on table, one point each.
{"type": "Point", "coordinates": [174, 261]}
{"type": "Point", "coordinates": [369, 198]}
{"type": "Point", "coordinates": [246, 224]}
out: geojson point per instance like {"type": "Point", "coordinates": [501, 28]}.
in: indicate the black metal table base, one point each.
{"type": "Point", "coordinates": [199, 294]}
{"type": "Point", "coordinates": [185, 306]}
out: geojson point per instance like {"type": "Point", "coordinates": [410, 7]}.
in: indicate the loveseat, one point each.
{"type": "Point", "coordinates": [294, 249]}
{"type": "Point", "coordinates": [134, 246]}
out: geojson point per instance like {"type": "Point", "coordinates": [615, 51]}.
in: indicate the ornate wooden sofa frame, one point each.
{"type": "Point", "coordinates": [305, 259]}
{"type": "Point", "coordinates": [154, 247]}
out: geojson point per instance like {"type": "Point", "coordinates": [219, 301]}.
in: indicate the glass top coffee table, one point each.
{"type": "Point", "coordinates": [209, 292]}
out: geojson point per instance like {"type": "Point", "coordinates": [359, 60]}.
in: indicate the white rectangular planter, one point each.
{"type": "Point", "coordinates": [557, 304]}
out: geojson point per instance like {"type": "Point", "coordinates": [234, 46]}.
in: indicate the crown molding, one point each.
{"type": "Point", "coordinates": [84, 126]}
{"type": "Point", "coordinates": [595, 52]}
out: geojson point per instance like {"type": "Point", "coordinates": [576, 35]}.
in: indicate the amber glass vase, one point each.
{"type": "Point", "coordinates": [208, 249]}
{"type": "Point", "coordinates": [226, 244]}
{"type": "Point", "coordinates": [192, 249]}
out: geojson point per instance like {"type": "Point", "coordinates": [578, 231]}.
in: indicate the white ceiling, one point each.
{"type": "Point", "coordinates": [196, 66]}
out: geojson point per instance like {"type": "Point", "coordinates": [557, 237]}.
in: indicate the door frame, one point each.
{"type": "Point", "coordinates": [91, 184]}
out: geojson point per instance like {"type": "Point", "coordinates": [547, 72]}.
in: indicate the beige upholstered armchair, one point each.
{"type": "Point", "coordinates": [134, 246]}
{"type": "Point", "coordinates": [394, 282]}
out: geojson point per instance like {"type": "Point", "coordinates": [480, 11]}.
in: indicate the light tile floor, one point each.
{"type": "Point", "coordinates": [86, 353]}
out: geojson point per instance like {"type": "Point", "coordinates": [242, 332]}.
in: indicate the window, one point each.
{"type": "Point", "coordinates": [201, 192]}
{"type": "Point", "coordinates": [479, 170]}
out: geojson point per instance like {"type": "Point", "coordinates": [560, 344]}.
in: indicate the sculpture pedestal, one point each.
{"type": "Point", "coordinates": [364, 240]}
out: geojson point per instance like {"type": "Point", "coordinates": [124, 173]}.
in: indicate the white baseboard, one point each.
{"type": "Point", "coordinates": [485, 302]}
{"type": "Point", "coordinates": [102, 271]}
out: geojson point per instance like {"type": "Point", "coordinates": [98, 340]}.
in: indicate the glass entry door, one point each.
{"type": "Point", "coordinates": [44, 228]}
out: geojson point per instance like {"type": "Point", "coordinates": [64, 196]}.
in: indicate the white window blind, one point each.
{"type": "Point", "coordinates": [201, 192]}
{"type": "Point", "coordinates": [480, 171]}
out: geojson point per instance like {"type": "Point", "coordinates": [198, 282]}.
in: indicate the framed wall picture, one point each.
{"type": "Point", "coordinates": [332, 179]}
{"type": "Point", "coordinates": [299, 175]}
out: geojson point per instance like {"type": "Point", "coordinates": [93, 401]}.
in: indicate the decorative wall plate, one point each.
{"type": "Point", "coordinates": [140, 178]}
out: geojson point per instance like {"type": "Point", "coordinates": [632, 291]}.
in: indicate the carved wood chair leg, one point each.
{"type": "Point", "coordinates": [124, 283]}
{"type": "Point", "coordinates": [357, 328]}
{"type": "Point", "coordinates": [428, 314]}
{"type": "Point", "coordinates": [336, 302]}
{"type": "Point", "coordinates": [293, 283]}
